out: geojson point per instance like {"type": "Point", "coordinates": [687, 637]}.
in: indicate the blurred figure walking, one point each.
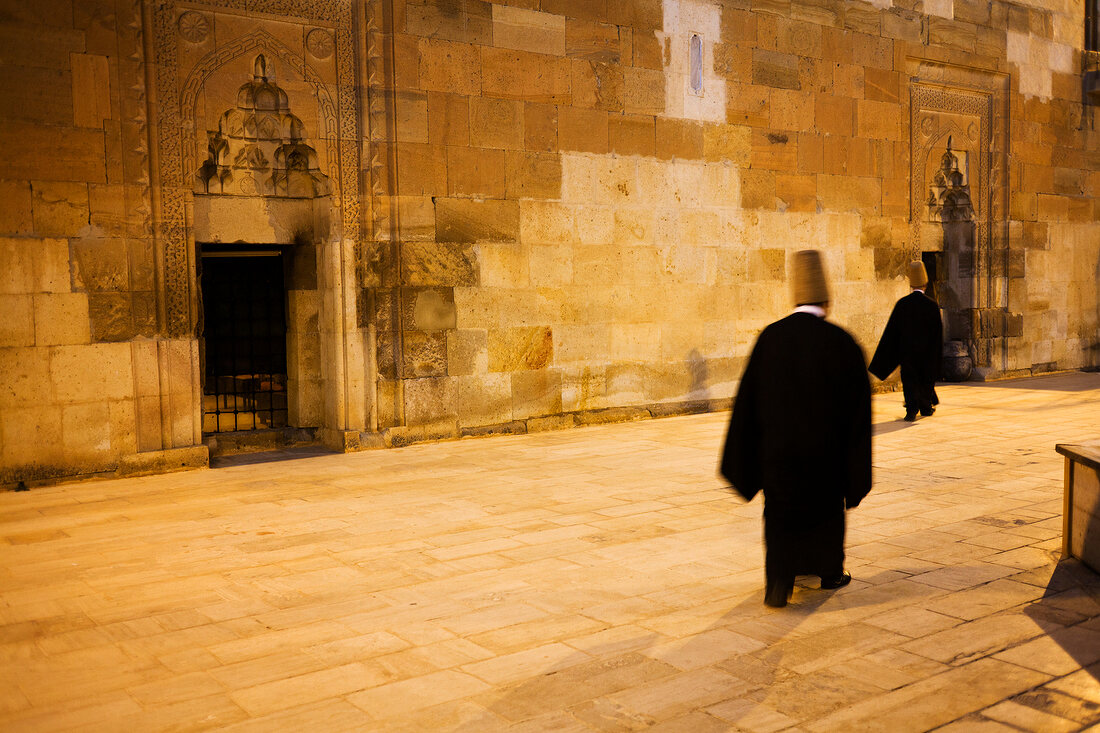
{"type": "Point", "coordinates": [801, 432]}
{"type": "Point", "coordinates": [913, 340]}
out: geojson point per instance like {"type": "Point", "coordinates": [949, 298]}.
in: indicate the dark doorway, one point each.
{"type": "Point", "coordinates": [243, 339]}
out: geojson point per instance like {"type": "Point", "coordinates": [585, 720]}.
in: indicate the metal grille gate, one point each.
{"type": "Point", "coordinates": [244, 334]}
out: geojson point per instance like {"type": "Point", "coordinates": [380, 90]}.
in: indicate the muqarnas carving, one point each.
{"type": "Point", "coordinates": [259, 148]}
{"type": "Point", "coordinates": [949, 193]}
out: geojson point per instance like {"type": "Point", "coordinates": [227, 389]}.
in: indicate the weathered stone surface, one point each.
{"type": "Point", "coordinates": [60, 209]}
{"type": "Point", "coordinates": [61, 318]}
{"type": "Point", "coordinates": [528, 30]}
{"type": "Point", "coordinates": [15, 214]}
{"type": "Point", "coordinates": [515, 349]}
{"type": "Point", "coordinates": [533, 77]}
{"type": "Point", "coordinates": [429, 309]}
{"type": "Point", "coordinates": [112, 316]}
{"type": "Point", "coordinates": [425, 354]}
{"type": "Point", "coordinates": [536, 393]}
{"type": "Point", "coordinates": [470, 220]}
{"type": "Point", "coordinates": [75, 154]}
{"type": "Point", "coordinates": [773, 69]}
{"type": "Point", "coordinates": [17, 324]}
{"type": "Point", "coordinates": [467, 352]}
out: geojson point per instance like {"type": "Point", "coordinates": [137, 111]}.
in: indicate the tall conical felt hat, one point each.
{"type": "Point", "coordinates": [918, 276]}
{"type": "Point", "coordinates": [808, 278]}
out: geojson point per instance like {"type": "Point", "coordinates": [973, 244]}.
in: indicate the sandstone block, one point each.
{"type": "Point", "coordinates": [59, 209]}
{"type": "Point", "coordinates": [878, 120]}
{"type": "Point", "coordinates": [34, 266]}
{"type": "Point", "coordinates": [533, 175]}
{"type": "Point", "coordinates": [540, 126]}
{"type": "Point", "coordinates": [429, 309]}
{"type": "Point", "coordinates": [93, 372]}
{"type": "Point", "coordinates": [496, 123]}
{"type": "Point", "coordinates": [648, 51]}
{"type": "Point", "coordinates": [25, 377]}
{"type": "Point", "coordinates": [625, 384]}
{"type": "Point", "coordinates": [583, 130]}
{"type": "Point", "coordinates": [15, 214]}
{"type": "Point", "coordinates": [631, 134]}
{"type": "Point", "coordinates": [101, 264]}
{"type": "Point", "coordinates": [545, 223]}
{"type": "Point", "coordinates": [61, 318]}
{"type": "Point", "coordinates": [679, 138]}
{"type": "Point", "coordinates": [581, 343]}
{"type": "Point", "coordinates": [834, 115]}
{"type": "Point", "coordinates": [422, 169]}
{"type": "Point", "coordinates": [475, 172]}
{"type": "Point", "coordinates": [439, 264]}
{"type": "Point", "coordinates": [17, 323]}
{"type": "Point", "coordinates": [467, 352]}
{"type": "Point", "coordinates": [85, 432]}
{"type": "Point", "coordinates": [484, 399]}
{"type": "Point", "coordinates": [551, 265]}
{"type": "Point", "coordinates": [596, 84]}
{"type": "Point", "coordinates": [451, 67]}
{"type": "Point", "coordinates": [448, 119]}
{"type": "Point", "coordinates": [792, 110]}
{"type": "Point", "coordinates": [583, 388]}
{"type": "Point", "coordinates": [528, 30]}
{"type": "Point", "coordinates": [798, 192]}
{"type": "Point", "coordinates": [470, 220]}
{"type": "Point", "coordinates": [536, 393]}
{"type": "Point", "coordinates": [532, 77]}
{"type": "Point", "coordinates": [635, 341]}
{"type": "Point", "coordinates": [774, 69]}
{"type": "Point", "coordinates": [31, 436]}
{"type": "Point", "coordinates": [503, 264]}
{"type": "Point", "coordinates": [727, 142]}
{"type": "Point", "coordinates": [594, 224]}
{"type": "Point", "coordinates": [850, 193]}
{"type": "Point", "coordinates": [431, 403]}
{"type": "Point", "coordinates": [411, 111]}
{"type": "Point", "coordinates": [438, 19]}
{"type": "Point", "coordinates": [591, 40]}
{"type": "Point", "coordinates": [425, 354]}
{"type": "Point", "coordinates": [643, 91]}
{"type": "Point", "coordinates": [774, 151]}
{"type": "Point", "coordinates": [91, 89]}
{"type": "Point", "coordinates": [75, 154]}
{"type": "Point", "coordinates": [516, 349]}
{"type": "Point", "coordinates": [111, 315]}
{"type": "Point", "coordinates": [758, 189]}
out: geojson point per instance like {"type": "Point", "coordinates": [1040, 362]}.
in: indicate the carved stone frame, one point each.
{"type": "Point", "coordinates": [172, 178]}
{"type": "Point", "coordinates": [983, 95]}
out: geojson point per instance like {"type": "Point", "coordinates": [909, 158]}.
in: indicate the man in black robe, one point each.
{"type": "Point", "coordinates": [801, 432]}
{"type": "Point", "coordinates": [913, 340]}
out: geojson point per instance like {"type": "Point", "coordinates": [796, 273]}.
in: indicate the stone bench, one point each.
{"type": "Point", "coordinates": [1081, 503]}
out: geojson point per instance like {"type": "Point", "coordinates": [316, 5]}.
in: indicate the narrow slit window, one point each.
{"type": "Point", "coordinates": [696, 64]}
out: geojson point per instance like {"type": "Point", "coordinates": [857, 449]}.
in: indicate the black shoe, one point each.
{"type": "Point", "coordinates": [837, 581]}
{"type": "Point", "coordinates": [928, 412]}
{"type": "Point", "coordinates": [910, 417]}
{"type": "Point", "coordinates": [777, 594]}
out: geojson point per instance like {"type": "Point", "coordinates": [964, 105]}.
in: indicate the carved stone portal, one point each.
{"type": "Point", "coordinates": [958, 204]}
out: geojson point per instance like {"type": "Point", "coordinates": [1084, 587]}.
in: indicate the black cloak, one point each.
{"type": "Point", "coordinates": [913, 339]}
{"type": "Point", "coordinates": [801, 432]}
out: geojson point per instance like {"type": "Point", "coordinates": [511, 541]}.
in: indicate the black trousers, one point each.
{"type": "Point", "coordinates": [919, 391]}
{"type": "Point", "coordinates": [801, 542]}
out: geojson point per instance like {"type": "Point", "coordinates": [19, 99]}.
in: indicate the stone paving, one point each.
{"type": "Point", "coordinates": [597, 579]}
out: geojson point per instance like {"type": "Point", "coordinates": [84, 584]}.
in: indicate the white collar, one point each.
{"type": "Point", "coordinates": [815, 310]}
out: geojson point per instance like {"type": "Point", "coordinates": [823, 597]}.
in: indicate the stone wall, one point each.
{"type": "Point", "coordinates": [609, 219]}
{"type": "Point", "coordinates": [524, 214]}
{"type": "Point", "coordinates": [86, 381]}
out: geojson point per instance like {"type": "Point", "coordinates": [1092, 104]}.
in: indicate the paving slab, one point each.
{"type": "Point", "coordinates": [596, 579]}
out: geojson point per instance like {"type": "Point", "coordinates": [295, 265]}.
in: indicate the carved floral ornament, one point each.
{"type": "Point", "coordinates": [260, 146]}
{"type": "Point", "coordinates": [949, 193]}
